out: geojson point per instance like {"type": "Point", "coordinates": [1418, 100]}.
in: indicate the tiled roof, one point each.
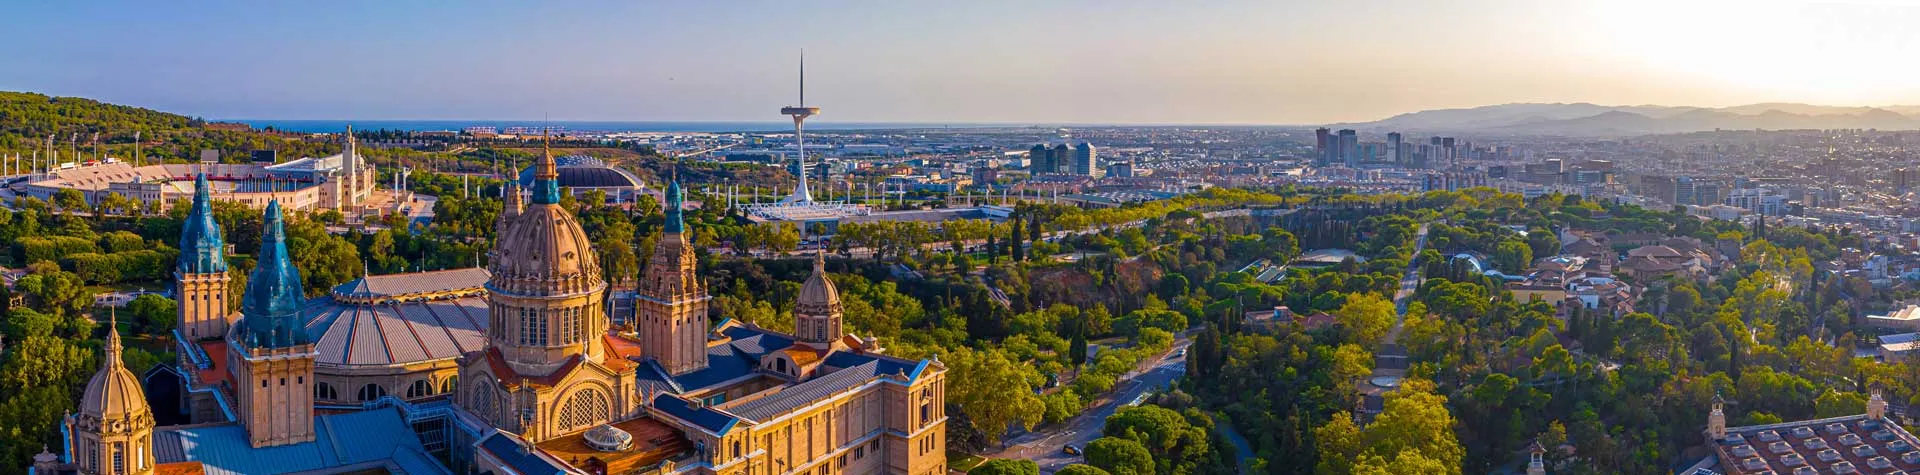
{"type": "Point", "coordinates": [511, 379]}
{"type": "Point", "coordinates": [738, 357]}
{"type": "Point", "coordinates": [887, 365]}
{"type": "Point", "coordinates": [713, 420]}
{"type": "Point", "coordinates": [394, 334]}
{"type": "Point", "coordinates": [652, 379]}
{"type": "Point", "coordinates": [508, 449]}
{"type": "Point", "coordinates": [415, 283]}
{"type": "Point", "coordinates": [1824, 445]}
{"type": "Point", "coordinates": [808, 392]}
{"type": "Point", "coordinates": [375, 436]}
{"type": "Point", "coordinates": [724, 363]}
{"type": "Point", "coordinates": [179, 468]}
{"type": "Point", "coordinates": [803, 355]}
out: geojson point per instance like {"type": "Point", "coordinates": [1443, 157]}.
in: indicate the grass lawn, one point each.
{"type": "Point", "coordinates": [961, 461]}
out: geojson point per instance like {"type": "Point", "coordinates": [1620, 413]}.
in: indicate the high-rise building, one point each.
{"type": "Point", "coordinates": [1349, 147]}
{"type": "Point", "coordinates": [1685, 191]}
{"type": "Point", "coordinates": [1323, 146]}
{"type": "Point", "coordinates": [1040, 160]}
{"type": "Point", "coordinates": [1062, 158]}
{"type": "Point", "coordinates": [1393, 148]}
{"type": "Point", "coordinates": [1085, 162]}
{"type": "Point", "coordinates": [1707, 192]}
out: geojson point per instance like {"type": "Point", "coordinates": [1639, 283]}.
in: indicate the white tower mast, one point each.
{"type": "Point", "coordinates": [800, 113]}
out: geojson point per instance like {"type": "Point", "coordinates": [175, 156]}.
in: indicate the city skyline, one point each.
{"type": "Point", "coordinates": [983, 62]}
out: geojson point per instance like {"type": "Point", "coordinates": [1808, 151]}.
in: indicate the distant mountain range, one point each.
{"type": "Point", "coordinates": [1583, 119]}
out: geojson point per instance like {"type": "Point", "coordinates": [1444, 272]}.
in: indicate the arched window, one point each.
{"type": "Point", "coordinates": [447, 385]}
{"type": "Point", "coordinates": [324, 392]}
{"type": "Point", "coordinates": [371, 392]}
{"type": "Point", "coordinates": [419, 389]}
{"type": "Point", "coordinates": [481, 401]}
{"type": "Point", "coordinates": [587, 407]}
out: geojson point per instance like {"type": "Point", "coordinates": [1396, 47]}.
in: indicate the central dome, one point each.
{"type": "Point", "coordinates": [545, 253]}
{"type": "Point", "coordinates": [114, 393]}
{"type": "Point", "coordinates": [818, 296]}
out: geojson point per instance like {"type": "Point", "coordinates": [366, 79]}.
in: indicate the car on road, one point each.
{"type": "Point", "coordinates": [1181, 353]}
{"type": "Point", "coordinates": [1071, 450]}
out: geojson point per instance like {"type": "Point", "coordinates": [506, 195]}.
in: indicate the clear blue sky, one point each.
{"type": "Point", "coordinates": [1118, 61]}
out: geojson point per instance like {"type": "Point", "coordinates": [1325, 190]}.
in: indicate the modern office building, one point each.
{"type": "Point", "coordinates": [1085, 162]}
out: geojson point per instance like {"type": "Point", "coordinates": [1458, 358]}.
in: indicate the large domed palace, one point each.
{"type": "Point", "coordinates": [514, 368]}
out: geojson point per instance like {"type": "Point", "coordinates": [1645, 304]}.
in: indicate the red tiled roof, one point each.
{"type": "Point", "coordinates": [180, 468]}
{"type": "Point", "coordinates": [216, 371]}
{"type": "Point", "coordinates": [511, 379]}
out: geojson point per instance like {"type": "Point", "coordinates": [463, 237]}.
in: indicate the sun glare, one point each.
{"type": "Point", "coordinates": [1825, 52]}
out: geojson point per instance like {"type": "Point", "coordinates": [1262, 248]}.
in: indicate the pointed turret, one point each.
{"type": "Point", "coordinates": [675, 223]}
{"type": "Point", "coordinates": [271, 307]}
{"type": "Point", "coordinates": [511, 205]}
{"type": "Point", "coordinates": [546, 175]}
{"type": "Point", "coordinates": [200, 279]}
{"type": "Point", "coordinates": [202, 251]}
{"type": "Point", "coordinates": [271, 346]}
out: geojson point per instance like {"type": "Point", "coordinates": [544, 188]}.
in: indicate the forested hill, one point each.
{"type": "Point", "coordinates": [27, 119]}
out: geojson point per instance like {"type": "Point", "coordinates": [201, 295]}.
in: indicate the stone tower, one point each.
{"type": "Point", "coordinates": [546, 292]}
{"type": "Point", "coordinates": [200, 279]}
{"type": "Point", "coordinates": [113, 434]}
{"type": "Point", "coordinates": [512, 204]}
{"type": "Point", "coordinates": [272, 357]}
{"type": "Point", "coordinates": [672, 306]}
{"type": "Point", "coordinates": [1876, 406]}
{"type": "Point", "coordinates": [816, 312]}
{"type": "Point", "coordinates": [1717, 420]}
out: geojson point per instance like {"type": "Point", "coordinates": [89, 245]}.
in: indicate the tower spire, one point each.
{"type": "Point", "coordinates": [546, 174]}
{"type": "Point", "coordinates": [271, 306]}
{"type": "Point", "coordinates": [113, 338]}
{"type": "Point", "coordinates": [676, 199]}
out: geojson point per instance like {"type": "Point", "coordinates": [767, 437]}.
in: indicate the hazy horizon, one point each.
{"type": "Point", "coordinates": [989, 62]}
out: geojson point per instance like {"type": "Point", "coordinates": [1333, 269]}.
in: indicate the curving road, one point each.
{"type": "Point", "coordinates": [1046, 447]}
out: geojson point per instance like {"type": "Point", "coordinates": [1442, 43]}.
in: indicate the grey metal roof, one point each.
{"type": "Point", "coordinates": [379, 437]}
{"type": "Point", "coordinates": [391, 285]}
{"type": "Point", "coordinates": [398, 333]}
{"type": "Point", "coordinates": [807, 393]}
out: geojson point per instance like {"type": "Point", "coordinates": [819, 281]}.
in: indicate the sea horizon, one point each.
{"type": "Point", "coordinates": [321, 126]}
{"type": "Point", "coordinates": [335, 126]}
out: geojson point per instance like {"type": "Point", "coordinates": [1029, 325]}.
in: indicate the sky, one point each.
{"type": "Point", "coordinates": [976, 61]}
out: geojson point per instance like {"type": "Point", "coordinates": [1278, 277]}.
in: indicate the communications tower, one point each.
{"type": "Point", "coordinates": [800, 113]}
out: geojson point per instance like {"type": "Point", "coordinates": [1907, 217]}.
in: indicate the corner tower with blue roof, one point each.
{"type": "Point", "coordinates": [200, 279]}
{"type": "Point", "coordinates": [271, 360]}
{"type": "Point", "coordinates": [671, 319]}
